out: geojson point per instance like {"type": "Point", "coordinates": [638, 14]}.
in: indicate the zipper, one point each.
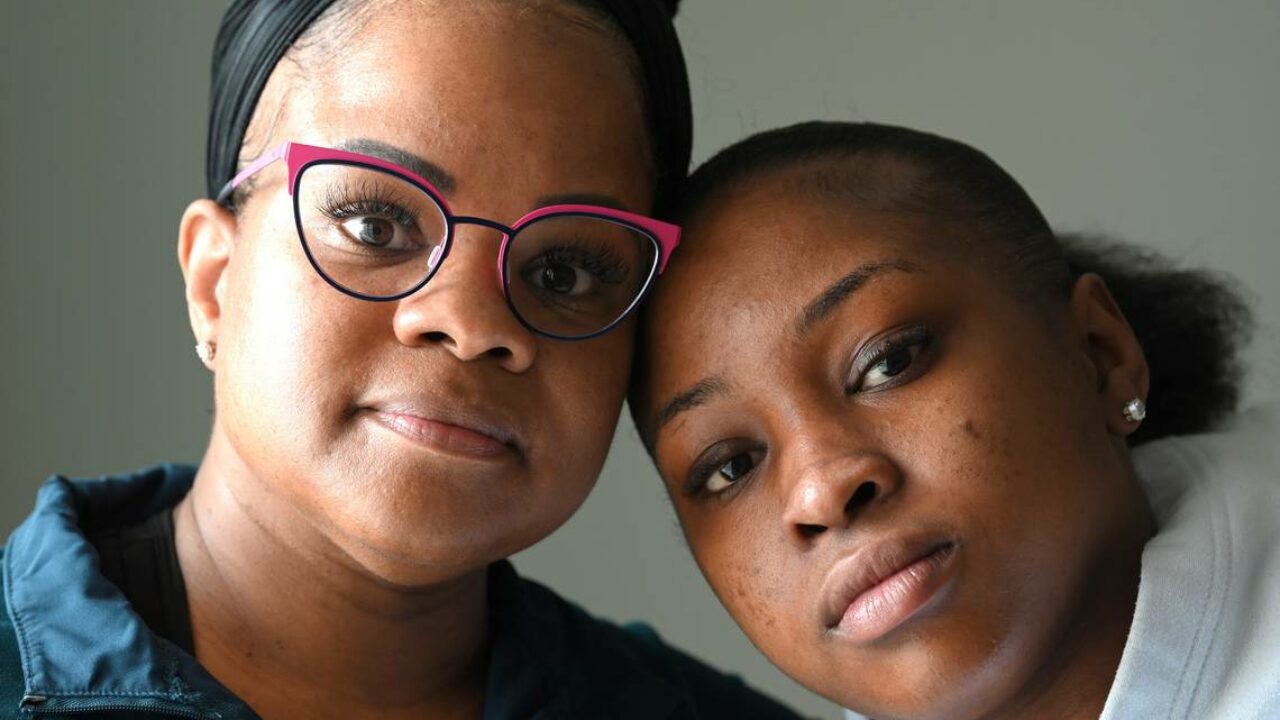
{"type": "Point", "coordinates": [36, 705]}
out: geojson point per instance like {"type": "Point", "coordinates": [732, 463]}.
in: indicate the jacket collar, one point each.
{"type": "Point", "coordinates": [81, 644]}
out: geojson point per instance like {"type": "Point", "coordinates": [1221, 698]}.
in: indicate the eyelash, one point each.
{"type": "Point", "coordinates": [340, 203]}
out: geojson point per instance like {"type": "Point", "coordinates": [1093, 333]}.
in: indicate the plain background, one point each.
{"type": "Point", "coordinates": [1154, 120]}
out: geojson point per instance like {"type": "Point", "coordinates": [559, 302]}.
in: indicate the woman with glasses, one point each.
{"type": "Point", "coordinates": [413, 284]}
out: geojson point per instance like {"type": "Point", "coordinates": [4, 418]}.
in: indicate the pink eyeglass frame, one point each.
{"type": "Point", "coordinates": [298, 157]}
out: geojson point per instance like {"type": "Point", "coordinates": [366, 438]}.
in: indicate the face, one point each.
{"type": "Point", "coordinates": [901, 478]}
{"type": "Point", "coordinates": [429, 436]}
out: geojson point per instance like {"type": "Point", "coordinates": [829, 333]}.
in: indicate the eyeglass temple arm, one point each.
{"type": "Point", "coordinates": [272, 155]}
{"type": "Point", "coordinates": [674, 233]}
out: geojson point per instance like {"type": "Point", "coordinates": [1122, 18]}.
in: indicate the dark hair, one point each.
{"type": "Point", "coordinates": [899, 171]}
{"type": "Point", "coordinates": [256, 34]}
{"type": "Point", "coordinates": [1191, 323]}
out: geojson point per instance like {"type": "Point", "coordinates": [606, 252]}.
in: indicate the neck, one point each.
{"type": "Point", "coordinates": [279, 612]}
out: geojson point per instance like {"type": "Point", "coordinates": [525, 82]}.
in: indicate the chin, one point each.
{"type": "Point", "coordinates": [969, 677]}
{"type": "Point", "coordinates": [406, 548]}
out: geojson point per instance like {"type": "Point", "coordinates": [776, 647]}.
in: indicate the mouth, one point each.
{"type": "Point", "coordinates": [467, 435]}
{"type": "Point", "coordinates": [881, 586]}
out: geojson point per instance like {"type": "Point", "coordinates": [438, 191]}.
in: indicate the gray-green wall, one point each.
{"type": "Point", "coordinates": [1154, 120]}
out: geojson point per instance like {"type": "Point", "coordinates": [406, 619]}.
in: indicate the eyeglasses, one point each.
{"type": "Point", "coordinates": [378, 232]}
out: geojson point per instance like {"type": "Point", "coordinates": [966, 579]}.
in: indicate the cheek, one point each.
{"type": "Point", "coordinates": [1000, 428]}
{"type": "Point", "coordinates": [991, 473]}
{"type": "Point", "coordinates": [1013, 467]}
{"type": "Point", "coordinates": [287, 340]}
{"type": "Point", "coordinates": [746, 563]}
{"type": "Point", "coordinates": [590, 376]}
{"type": "Point", "coordinates": [577, 400]}
{"type": "Point", "coordinates": [1025, 452]}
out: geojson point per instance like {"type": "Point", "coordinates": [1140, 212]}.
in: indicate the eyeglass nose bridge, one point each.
{"type": "Point", "coordinates": [483, 222]}
{"type": "Point", "coordinates": [457, 220]}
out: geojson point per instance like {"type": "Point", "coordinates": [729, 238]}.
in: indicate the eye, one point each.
{"type": "Point", "coordinates": [718, 473]}
{"type": "Point", "coordinates": [374, 221]}
{"type": "Point", "coordinates": [560, 278]}
{"type": "Point", "coordinates": [892, 361]}
{"type": "Point", "coordinates": [377, 232]}
{"type": "Point", "coordinates": [572, 271]}
{"type": "Point", "coordinates": [730, 472]}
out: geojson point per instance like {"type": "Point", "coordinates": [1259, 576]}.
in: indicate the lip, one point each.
{"type": "Point", "coordinates": [868, 594]}
{"type": "Point", "coordinates": [463, 432]}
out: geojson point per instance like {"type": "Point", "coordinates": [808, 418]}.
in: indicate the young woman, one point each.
{"type": "Point", "coordinates": [898, 422]}
{"type": "Point", "coordinates": [411, 281]}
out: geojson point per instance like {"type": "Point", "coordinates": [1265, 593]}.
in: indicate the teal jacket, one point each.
{"type": "Point", "coordinates": [71, 648]}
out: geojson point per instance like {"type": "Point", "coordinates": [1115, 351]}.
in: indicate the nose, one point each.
{"type": "Point", "coordinates": [831, 492]}
{"type": "Point", "coordinates": [463, 308]}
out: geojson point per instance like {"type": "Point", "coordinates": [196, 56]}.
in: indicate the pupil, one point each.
{"type": "Point", "coordinates": [897, 361]}
{"type": "Point", "coordinates": [558, 278]}
{"type": "Point", "coordinates": [736, 467]}
{"type": "Point", "coordinates": [375, 232]}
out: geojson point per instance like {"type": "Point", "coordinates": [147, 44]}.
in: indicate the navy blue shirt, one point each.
{"type": "Point", "coordinates": [72, 645]}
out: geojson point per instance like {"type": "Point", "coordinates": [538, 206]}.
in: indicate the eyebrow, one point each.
{"type": "Point", "coordinates": [429, 171]}
{"type": "Point", "coordinates": [697, 394]}
{"type": "Point", "coordinates": [837, 292]}
{"type": "Point", "coordinates": [596, 199]}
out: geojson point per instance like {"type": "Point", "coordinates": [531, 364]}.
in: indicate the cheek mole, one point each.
{"type": "Point", "coordinates": [971, 430]}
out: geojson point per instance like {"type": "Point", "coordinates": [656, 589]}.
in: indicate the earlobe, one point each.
{"type": "Point", "coordinates": [204, 249]}
{"type": "Point", "coordinates": [1116, 359]}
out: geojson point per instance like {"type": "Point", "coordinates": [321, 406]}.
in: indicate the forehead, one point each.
{"type": "Point", "coordinates": [494, 92]}
{"type": "Point", "coordinates": [764, 250]}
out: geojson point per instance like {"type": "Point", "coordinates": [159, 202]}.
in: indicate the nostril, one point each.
{"type": "Point", "coordinates": [809, 532]}
{"type": "Point", "coordinates": [865, 493]}
{"type": "Point", "coordinates": [499, 352]}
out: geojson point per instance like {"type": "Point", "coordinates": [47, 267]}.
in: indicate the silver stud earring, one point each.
{"type": "Point", "coordinates": [205, 351]}
{"type": "Point", "coordinates": [1135, 410]}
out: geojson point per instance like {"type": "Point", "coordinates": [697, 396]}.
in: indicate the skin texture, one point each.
{"type": "Point", "coordinates": [316, 542]}
{"type": "Point", "coordinates": [1001, 435]}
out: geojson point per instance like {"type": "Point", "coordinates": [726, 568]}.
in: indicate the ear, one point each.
{"type": "Point", "coordinates": [1118, 365]}
{"type": "Point", "coordinates": [204, 250]}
